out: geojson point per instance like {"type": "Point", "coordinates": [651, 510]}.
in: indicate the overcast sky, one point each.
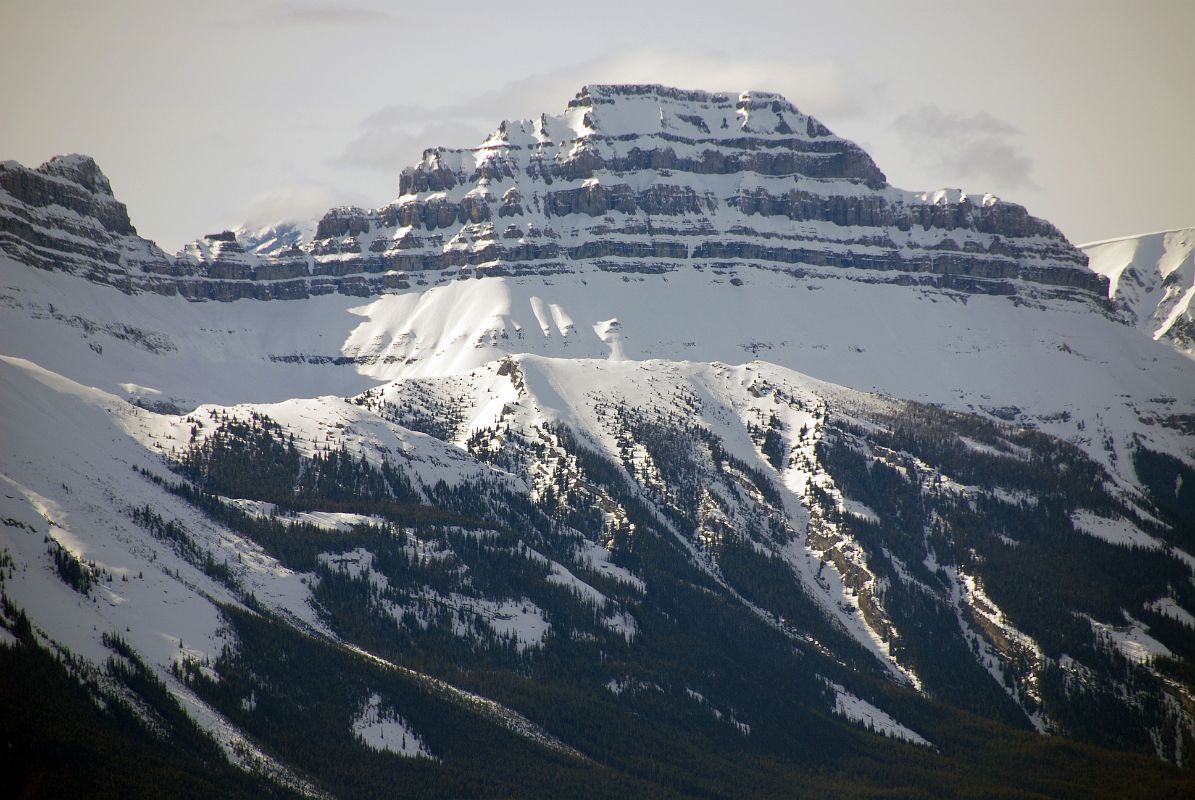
{"type": "Point", "coordinates": [207, 115]}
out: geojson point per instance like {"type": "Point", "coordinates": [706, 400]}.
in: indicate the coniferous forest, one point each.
{"type": "Point", "coordinates": [710, 676]}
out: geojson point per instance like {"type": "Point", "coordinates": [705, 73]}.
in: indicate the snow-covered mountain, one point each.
{"type": "Point", "coordinates": [651, 179]}
{"type": "Point", "coordinates": [1153, 277]}
{"type": "Point", "coordinates": [629, 179]}
{"type": "Point", "coordinates": [655, 447]}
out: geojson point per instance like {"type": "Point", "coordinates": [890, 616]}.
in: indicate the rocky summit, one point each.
{"type": "Point", "coordinates": [63, 216]}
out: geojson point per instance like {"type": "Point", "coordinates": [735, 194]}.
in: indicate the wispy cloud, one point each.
{"type": "Point", "coordinates": [395, 135]}
{"type": "Point", "coordinates": [823, 88]}
{"type": "Point", "coordinates": [960, 148]}
{"type": "Point", "coordinates": [300, 203]}
{"type": "Point", "coordinates": [323, 13]}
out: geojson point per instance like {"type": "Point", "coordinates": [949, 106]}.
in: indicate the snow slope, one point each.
{"type": "Point", "coordinates": [1153, 277]}
{"type": "Point", "coordinates": [73, 475]}
{"type": "Point", "coordinates": [1060, 364]}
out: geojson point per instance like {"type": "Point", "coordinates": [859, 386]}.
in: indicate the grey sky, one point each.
{"type": "Point", "coordinates": [205, 115]}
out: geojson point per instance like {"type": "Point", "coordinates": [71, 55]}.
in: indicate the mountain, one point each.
{"type": "Point", "coordinates": [657, 448]}
{"type": "Point", "coordinates": [630, 179]}
{"type": "Point", "coordinates": [649, 179]}
{"type": "Point", "coordinates": [1153, 278]}
{"type": "Point", "coordinates": [63, 216]}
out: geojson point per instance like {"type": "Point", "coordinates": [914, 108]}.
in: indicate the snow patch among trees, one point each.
{"type": "Point", "coordinates": [858, 710]}
{"type": "Point", "coordinates": [380, 728]}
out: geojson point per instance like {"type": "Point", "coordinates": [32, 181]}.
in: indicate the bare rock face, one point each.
{"type": "Point", "coordinates": [629, 178]}
{"type": "Point", "coordinates": [62, 215]}
{"type": "Point", "coordinates": [74, 182]}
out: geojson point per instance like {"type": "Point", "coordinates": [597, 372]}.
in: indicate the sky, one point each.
{"type": "Point", "coordinates": [210, 115]}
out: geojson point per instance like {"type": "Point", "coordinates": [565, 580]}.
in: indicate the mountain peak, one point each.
{"type": "Point", "coordinates": [625, 109]}
{"type": "Point", "coordinates": [63, 215]}
{"type": "Point", "coordinates": [78, 169]}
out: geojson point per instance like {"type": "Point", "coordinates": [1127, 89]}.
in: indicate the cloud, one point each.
{"type": "Point", "coordinates": [300, 203]}
{"type": "Point", "coordinates": [396, 135]}
{"type": "Point", "coordinates": [323, 13]}
{"type": "Point", "coordinates": [976, 147]}
{"type": "Point", "coordinates": [392, 146]}
{"type": "Point", "coordinates": [823, 88]}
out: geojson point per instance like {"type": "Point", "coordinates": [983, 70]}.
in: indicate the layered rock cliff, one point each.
{"type": "Point", "coordinates": [628, 179]}
{"type": "Point", "coordinates": [63, 216]}
{"type": "Point", "coordinates": [646, 178]}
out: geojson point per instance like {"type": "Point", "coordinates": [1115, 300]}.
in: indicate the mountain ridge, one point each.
{"type": "Point", "coordinates": [1152, 277]}
{"type": "Point", "coordinates": [785, 190]}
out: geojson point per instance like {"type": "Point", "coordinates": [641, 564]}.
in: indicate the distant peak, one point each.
{"type": "Point", "coordinates": [633, 108]}
{"type": "Point", "coordinates": [613, 91]}
{"type": "Point", "coordinates": [79, 169]}
{"type": "Point", "coordinates": [1140, 237]}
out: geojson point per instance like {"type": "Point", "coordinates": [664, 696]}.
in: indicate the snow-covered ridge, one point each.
{"type": "Point", "coordinates": [1152, 277]}
{"type": "Point", "coordinates": [447, 417]}
{"type": "Point", "coordinates": [633, 109]}
{"type": "Point", "coordinates": [1109, 385]}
